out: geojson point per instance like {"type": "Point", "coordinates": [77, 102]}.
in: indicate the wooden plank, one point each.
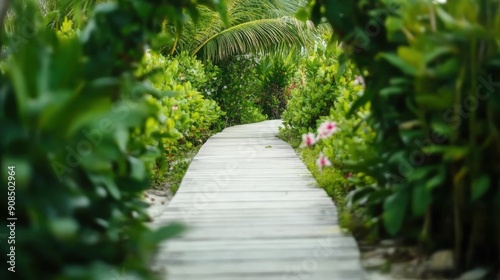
{"type": "Point", "coordinates": [253, 232]}
{"type": "Point", "coordinates": [228, 255]}
{"type": "Point", "coordinates": [336, 242]}
{"type": "Point", "coordinates": [255, 212]}
{"type": "Point", "coordinates": [274, 276]}
{"type": "Point", "coordinates": [254, 221]}
{"type": "Point", "coordinates": [287, 269]}
{"type": "Point", "coordinates": [252, 196]}
{"type": "Point", "coordinates": [205, 204]}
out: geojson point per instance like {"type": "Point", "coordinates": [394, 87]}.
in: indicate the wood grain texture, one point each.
{"type": "Point", "coordinates": [253, 211]}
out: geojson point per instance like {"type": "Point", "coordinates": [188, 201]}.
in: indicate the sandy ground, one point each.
{"type": "Point", "coordinates": [158, 201]}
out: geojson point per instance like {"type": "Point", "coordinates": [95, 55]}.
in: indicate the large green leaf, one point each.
{"type": "Point", "coordinates": [480, 186]}
{"type": "Point", "coordinates": [395, 210]}
{"type": "Point", "coordinates": [421, 199]}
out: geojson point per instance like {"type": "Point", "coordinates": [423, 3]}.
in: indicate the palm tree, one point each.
{"type": "Point", "coordinates": [56, 10]}
{"type": "Point", "coordinates": [252, 26]}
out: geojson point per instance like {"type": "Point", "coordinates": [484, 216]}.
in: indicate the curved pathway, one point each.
{"type": "Point", "coordinates": [253, 212]}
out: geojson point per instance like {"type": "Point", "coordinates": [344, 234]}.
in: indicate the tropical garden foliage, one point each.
{"type": "Point", "coordinates": [324, 89]}
{"type": "Point", "coordinates": [430, 72]}
{"type": "Point", "coordinates": [185, 118]}
{"type": "Point", "coordinates": [100, 100]}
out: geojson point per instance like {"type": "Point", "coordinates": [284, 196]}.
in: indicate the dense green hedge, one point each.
{"type": "Point", "coordinates": [315, 89]}
{"type": "Point", "coordinates": [275, 72]}
{"type": "Point", "coordinates": [236, 89]}
{"type": "Point", "coordinates": [185, 118]}
{"type": "Point", "coordinates": [431, 82]}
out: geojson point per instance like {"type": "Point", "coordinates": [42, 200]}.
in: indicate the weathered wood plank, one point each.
{"type": "Point", "coordinates": [336, 242]}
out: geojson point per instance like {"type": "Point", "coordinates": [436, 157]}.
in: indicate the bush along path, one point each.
{"type": "Point", "coordinates": [252, 211]}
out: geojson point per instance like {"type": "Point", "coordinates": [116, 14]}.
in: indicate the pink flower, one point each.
{"type": "Point", "coordinates": [323, 161]}
{"type": "Point", "coordinates": [308, 139]}
{"type": "Point", "coordinates": [359, 81]}
{"type": "Point", "coordinates": [175, 108]}
{"type": "Point", "coordinates": [326, 129]}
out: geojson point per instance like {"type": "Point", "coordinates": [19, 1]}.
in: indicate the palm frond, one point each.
{"type": "Point", "coordinates": [276, 34]}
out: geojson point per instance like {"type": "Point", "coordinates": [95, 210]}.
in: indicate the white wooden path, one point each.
{"type": "Point", "coordinates": [253, 212]}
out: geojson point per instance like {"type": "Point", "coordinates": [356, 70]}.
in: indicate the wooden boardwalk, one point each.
{"type": "Point", "coordinates": [253, 212]}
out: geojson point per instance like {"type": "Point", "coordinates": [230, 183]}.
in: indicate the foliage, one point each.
{"type": "Point", "coordinates": [251, 26]}
{"type": "Point", "coordinates": [185, 116]}
{"type": "Point", "coordinates": [237, 91]}
{"type": "Point", "coordinates": [274, 72]}
{"type": "Point", "coordinates": [314, 90]}
{"type": "Point", "coordinates": [434, 102]}
{"type": "Point", "coordinates": [69, 109]}
{"type": "Point", "coordinates": [344, 146]}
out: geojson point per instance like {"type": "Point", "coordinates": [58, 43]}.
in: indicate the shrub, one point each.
{"type": "Point", "coordinates": [430, 75]}
{"type": "Point", "coordinates": [185, 116]}
{"type": "Point", "coordinates": [314, 91]}
{"type": "Point", "coordinates": [275, 73]}
{"type": "Point", "coordinates": [343, 147]}
{"type": "Point", "coordinates": [237, 91]}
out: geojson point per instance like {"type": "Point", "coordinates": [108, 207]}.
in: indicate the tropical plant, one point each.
{"type": "Point", "coordinates": [315, 89]}
{"type": "Point", "coordinates": [185, 116]}
{"type": "Point", "coordinates": [275, 72]}
{"type": "Point", "coordinates": [237, 91]}
{"type": "Point", "coordinates": [253, 26]}
{"type": "Point", "coordinates": [309, 114]}
{"type": "Point", "coordinates": [431, 72]}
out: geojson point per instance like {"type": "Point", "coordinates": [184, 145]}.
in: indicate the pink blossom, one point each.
{"type": "Point", "coordinates": [175, 108]}
{"type": "Point", "coordinates": [308, 139]}
{"type": "Point", "coordinates": [326, 129]}
{"type": "Point", "coordinates": [359, 81]}
{"type": "Point", "coordinates": [323, 161]}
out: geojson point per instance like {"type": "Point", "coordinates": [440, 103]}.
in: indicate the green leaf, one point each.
{"type": "Point", "coordinates": [399, 63]}
{"type": "Point", "coordinates": [421, 199]}
{"type": "Point", "coordinates": [395, 210]}
{"type": "Point", "coordinates": [121, 137]}
{"type": "Point", "coordinates": [436, 180]}
{"type": "Point", "coordinates": [150, 239]}
{"type": "Point", "coordinates": [137, 169]}
{"type": "Point", "coordinates": [446, 69]}
{"type": "Point", "coordinates": [442, 128]}
{"type": "Point", "coordinates": [480, 186]}
{"type": "Point", "coordinates": [390, 91]}
{"type": "Point", "coordinates": [393, 24]}
{"type": "Point", "coordinates": [432, 101]}
{"type": "Point", "coordinates": [108, 182]}
{"type": "Point", "coordinates": [437, 52]}
{"type": "Point", "coordinates": [447, 19]}
{"type": "Point", "coordinates": [64, 227]}
{"type": "Point", "coordinates": [448, 152]}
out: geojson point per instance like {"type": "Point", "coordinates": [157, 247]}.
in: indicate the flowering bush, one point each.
{"type": "Point", "coordinates": [431, 72]}
{"type": "Point", "coordinates": [339, 136]}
